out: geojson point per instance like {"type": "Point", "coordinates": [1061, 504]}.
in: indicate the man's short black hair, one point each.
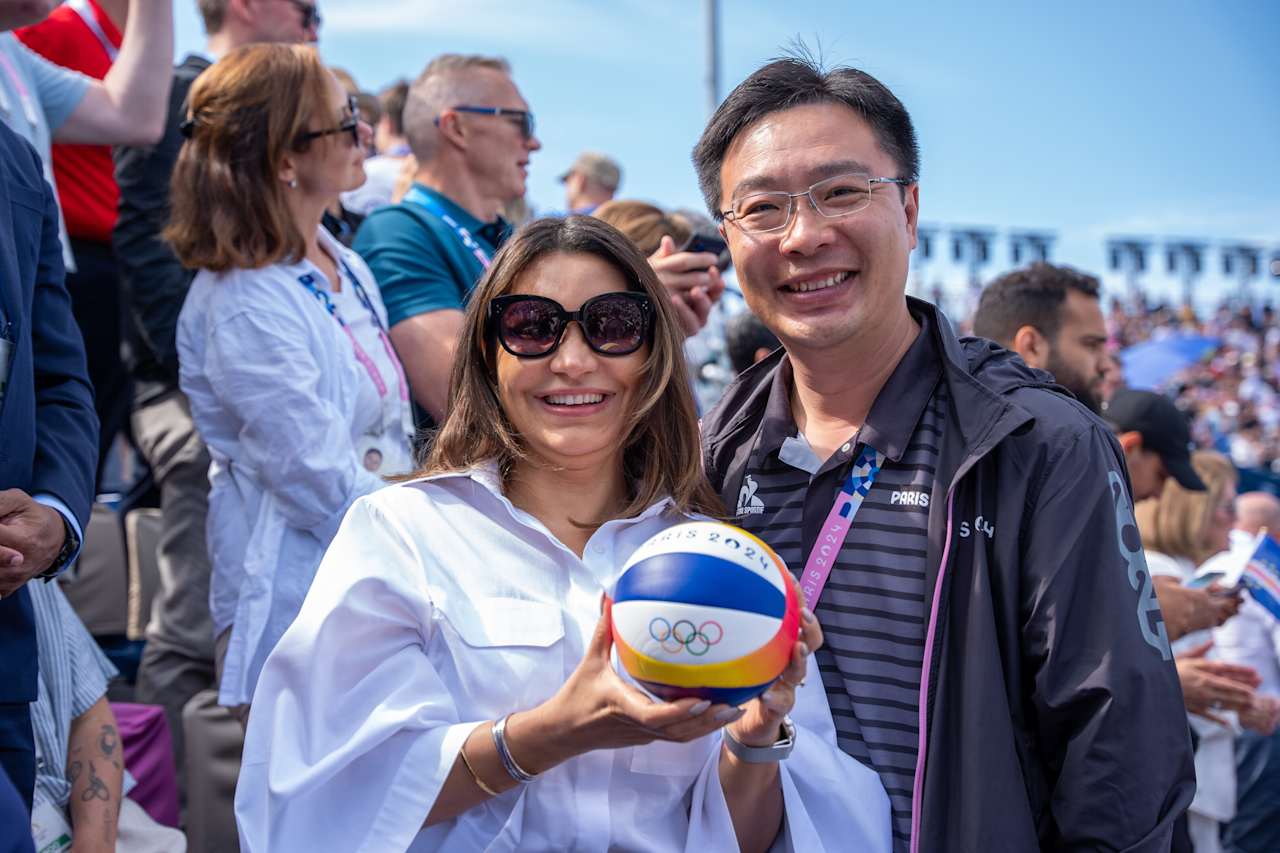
{"type": "Point", "coordinates": [799, 81]}
{"type": "Point", "coordinates": [1031, 296]}
{"type": "Point", "coordinates": [744, 335]}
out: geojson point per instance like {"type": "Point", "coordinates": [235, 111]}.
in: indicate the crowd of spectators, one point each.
{"type": "Point", "coordinates": [359, 235]}
{"type": "Point", "coordinates": [1233, 391]}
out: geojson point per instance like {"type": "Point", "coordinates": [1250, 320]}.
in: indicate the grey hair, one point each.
{"type": "Point", "coordinates": [444, 83]}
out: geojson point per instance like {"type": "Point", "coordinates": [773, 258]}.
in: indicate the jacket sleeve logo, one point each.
{"type": "Point", "coordinates": [1150, 621]}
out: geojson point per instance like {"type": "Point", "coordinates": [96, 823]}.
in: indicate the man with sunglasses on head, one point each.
{"type": "Point", "coordinates": [178, 660]}
{"type": "Point", "coordinates": [962, 528]}
{"type": "Point", "coordinates": [472, 134]}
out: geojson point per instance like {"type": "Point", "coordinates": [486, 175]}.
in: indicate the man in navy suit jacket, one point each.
{"type": "Point", "coordinates": [48, 436]}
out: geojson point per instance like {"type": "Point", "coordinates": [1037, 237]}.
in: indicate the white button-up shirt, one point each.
{"type": "Point", "coordinates": [440, 605]}
{"type": "Point", "coordinates": [279, 397]}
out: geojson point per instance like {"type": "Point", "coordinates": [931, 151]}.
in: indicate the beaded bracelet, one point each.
{"type": "Point", "coordinates": [500, 742]}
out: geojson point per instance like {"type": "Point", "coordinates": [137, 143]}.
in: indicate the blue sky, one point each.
{"type": "Point", "coordinates": [1088, 119]}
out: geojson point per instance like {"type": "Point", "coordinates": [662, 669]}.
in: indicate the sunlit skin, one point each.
{"type": "Point", "coordinates": [333, 164]}
{"type": "Point", "coordinates": [499, 154]}
{"type": "Point", "coordinates": [843, 340]}
{"type": "Point", "coordinates": [571, 437]}
{"type": "Point", "coordinates": [1078, 357]}
{"type": "Point", "coordinates": [789, 151]}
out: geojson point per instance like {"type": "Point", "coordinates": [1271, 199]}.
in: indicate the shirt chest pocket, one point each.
{"type": "Point", "coordinates": [508, 649]}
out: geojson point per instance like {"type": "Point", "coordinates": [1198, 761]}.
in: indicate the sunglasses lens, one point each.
{"type": "Point", "coordinates": [616, 325]}
{"type": "Point", "coordinates": [529, 327]}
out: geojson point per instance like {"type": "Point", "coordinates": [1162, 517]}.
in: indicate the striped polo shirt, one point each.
{"type": "Point", "coordinates": [872, 608]}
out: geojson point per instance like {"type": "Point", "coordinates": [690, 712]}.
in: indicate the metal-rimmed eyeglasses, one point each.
{"type": "Point", "coordinates": [523, 118]}
{"type": "Point", "coordinates": [840, 195]}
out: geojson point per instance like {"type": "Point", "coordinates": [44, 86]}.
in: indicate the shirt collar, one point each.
{"type": "Point", "coordinates": [487, 476]}
{"type": "Point", "coordinates": [894, 414]}
{"type": "Point", "coordinates": [901, 402]}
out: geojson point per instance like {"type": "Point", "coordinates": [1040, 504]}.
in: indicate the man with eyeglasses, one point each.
{"type": "Point", "coordinates": [962, 529]}
{"type": "Point", "coordinates": [178, 660]}
{"type": "Point", "coordinates": [472, 134]}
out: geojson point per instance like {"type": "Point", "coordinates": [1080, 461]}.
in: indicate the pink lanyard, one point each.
{"type": "Point", "coordinates": [309, 282]}
{"type": "Point", "coordinates": [817, 569]}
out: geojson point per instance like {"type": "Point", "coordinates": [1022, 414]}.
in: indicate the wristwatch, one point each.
{"type": "Point", "coordinates": [776, 751]}
{"type": "Point", "coordinates": [70, 544]}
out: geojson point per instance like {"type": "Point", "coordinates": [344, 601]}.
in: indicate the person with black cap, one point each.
{"type": "Point", "coordinates": [1156, 440]}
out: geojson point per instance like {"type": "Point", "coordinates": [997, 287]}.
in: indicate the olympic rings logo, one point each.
{"type": "Point", "coordinates": [683, 635]}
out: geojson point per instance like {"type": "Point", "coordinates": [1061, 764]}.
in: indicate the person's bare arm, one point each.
{"type": "Point", "coordinates": [95, 768]}
{"type": "Point", "coordinates": [425, 344]}
{"type": "Point", "coordinates": [128, 106]}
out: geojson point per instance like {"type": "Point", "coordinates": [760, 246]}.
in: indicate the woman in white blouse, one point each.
{"type": "Point", "coordinates": [448, 683]}
{"type": "Point", "coordinates": [1180, 529]}
{"type": "Point", "coordinates": [282, 341]}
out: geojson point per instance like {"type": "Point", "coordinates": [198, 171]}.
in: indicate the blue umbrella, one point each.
{"type": "Point", "coordinates": [1151, 364]}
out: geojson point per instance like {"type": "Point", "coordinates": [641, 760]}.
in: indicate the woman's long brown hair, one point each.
{"type": "Point", "coordinates": [250, 109]}
{"type": "Point", "coordinates": [661, 456]}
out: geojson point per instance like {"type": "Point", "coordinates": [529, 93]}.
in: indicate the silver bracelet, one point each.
{"type": "Point", "coordinates": [500, 742]}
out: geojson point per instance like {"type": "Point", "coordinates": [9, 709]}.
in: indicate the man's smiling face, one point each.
{"type": "Point", "coordinates": [819, 281]}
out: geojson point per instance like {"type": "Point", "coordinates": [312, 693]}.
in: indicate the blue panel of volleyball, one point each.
{"type": "Point", "coordinates": [705, 609]}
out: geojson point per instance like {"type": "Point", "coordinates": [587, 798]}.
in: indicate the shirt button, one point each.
{"type": "Point", "coordinates": [845, 449]}
{"type": "Point", "coordinates": [599, 549]}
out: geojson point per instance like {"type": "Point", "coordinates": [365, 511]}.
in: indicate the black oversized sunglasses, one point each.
{"type": "Point", "coordinates": [533, 326]}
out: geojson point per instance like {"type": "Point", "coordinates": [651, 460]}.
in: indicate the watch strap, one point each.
{"type": "Point", "coordinates": [777, 751]}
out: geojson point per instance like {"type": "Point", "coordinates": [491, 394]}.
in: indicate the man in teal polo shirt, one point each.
{"type": "Point", "coordinates": [472, 135]}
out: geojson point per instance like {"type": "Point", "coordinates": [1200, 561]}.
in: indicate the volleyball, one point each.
{"type": "Point", "coordinates": [707, 610]}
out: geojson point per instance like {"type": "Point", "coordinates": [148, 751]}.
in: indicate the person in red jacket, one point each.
{"type": "Point", "coordinates": [85, 36]}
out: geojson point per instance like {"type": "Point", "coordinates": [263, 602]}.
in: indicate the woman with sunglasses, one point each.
{"type": "Point", "coordinates": [282, 343]}
{"type": "Point", "coordinates": [448, 683]}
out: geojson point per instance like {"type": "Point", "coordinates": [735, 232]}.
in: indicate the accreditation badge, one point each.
{"type": "Point", "coordinates": [384, 454]}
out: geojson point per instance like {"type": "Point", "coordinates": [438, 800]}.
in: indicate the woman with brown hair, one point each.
{"type": "Point", "coordinates": [282, 341]}
{"type": "Point", "coordinates": [1180, 530]}
{"type": "Point", "coordinates": [448, 683]}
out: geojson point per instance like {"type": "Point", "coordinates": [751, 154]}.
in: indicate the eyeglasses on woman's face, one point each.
{"type": "Point", "coordinates": [350, 124]}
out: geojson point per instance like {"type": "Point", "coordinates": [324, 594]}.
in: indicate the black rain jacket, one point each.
{"type": "Point", "coordinates": [1051, 712]}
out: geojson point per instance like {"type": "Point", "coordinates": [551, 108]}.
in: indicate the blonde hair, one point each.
{"type": "Point", "coordinates": [247, 113]}
{"type": "Point", "coordinates": [1174, 523]}
{"type": "Point", "coordinates": [662, 455]}
{"type": "Point", "coordinates": [644, 224]}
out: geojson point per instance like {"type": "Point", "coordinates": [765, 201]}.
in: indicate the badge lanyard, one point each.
{"type": "Point", "coordinates": [834, 530]}
{"type": "Point", "coordinates": [28, 103]}
{"type": "Point", "coordinates": [308, 281]}
{"type": "Point", "coordinates": [831, 536]}
{"type": "Point", "coordinates": [415, 195]}
{"type": "Point", "coordinates": [82, 8]}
